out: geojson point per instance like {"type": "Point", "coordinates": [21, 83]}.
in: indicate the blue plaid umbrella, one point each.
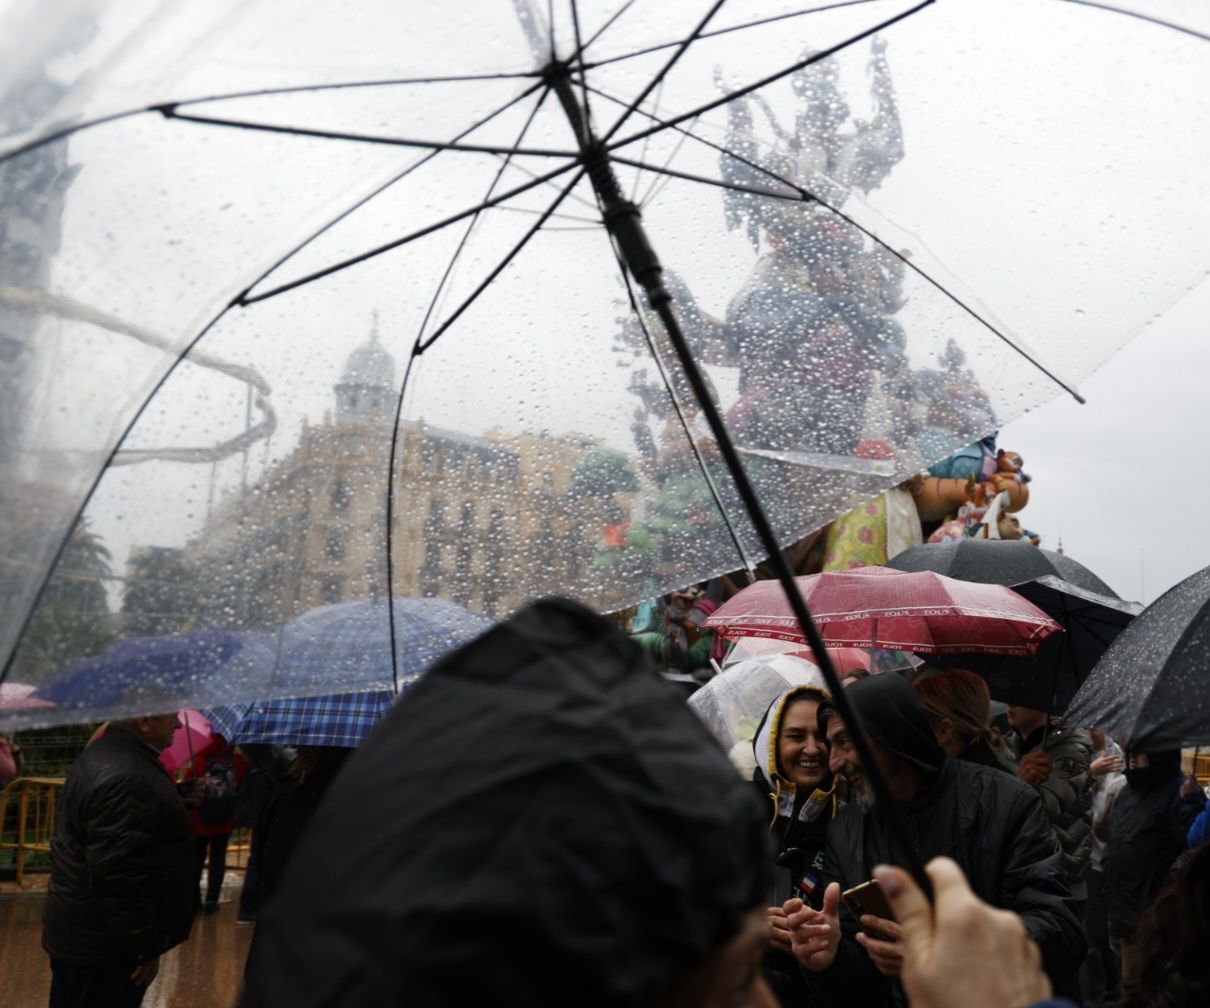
{"type": "Point", "coordinates": [337, 719]}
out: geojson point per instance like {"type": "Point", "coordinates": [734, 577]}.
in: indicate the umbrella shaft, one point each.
{"type": "Point", "coordinates": [624, 223]}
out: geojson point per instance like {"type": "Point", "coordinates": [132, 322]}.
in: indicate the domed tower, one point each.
{"type": "Point", "coordinates": [366, 390]}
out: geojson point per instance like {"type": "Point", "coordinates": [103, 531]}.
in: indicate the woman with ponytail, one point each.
{"type": "Point", "coordinates": [959, 712]}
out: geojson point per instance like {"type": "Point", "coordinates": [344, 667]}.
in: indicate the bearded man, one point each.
{"type": "Point", "coordinates": [992, 825]}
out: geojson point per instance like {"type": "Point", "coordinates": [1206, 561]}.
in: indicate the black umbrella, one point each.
{"type": "Point", "coordinates": [541, 821]}
{"type": "Point", "coordinates": [998, 561]}
{"type": "Point", "coordinates": [1152, 687]}
{"type": "Point", "coordinates": [1049, 679]}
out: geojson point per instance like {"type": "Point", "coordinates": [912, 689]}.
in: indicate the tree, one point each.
{"type": "Point", "coordinates": [72, 619]}
{"type": "Point", "coordinates": [160, 593]}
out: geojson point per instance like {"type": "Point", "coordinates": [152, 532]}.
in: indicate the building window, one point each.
{"type": "Point", "coordinates": [336, 545]}
{"type": "Point", "coordinates": [341, 495]}
{"type": "Point", "coordinates": [332, 589]}
{"type": "Point", "coordinates": [436, 517]}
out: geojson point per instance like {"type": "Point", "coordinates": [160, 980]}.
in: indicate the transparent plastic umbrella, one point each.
{"type": "Point", "coordinates": [302, 310]}
{"type": "Point", "coordinates": [733, 702]}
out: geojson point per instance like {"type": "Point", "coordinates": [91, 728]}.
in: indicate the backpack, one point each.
{"type": "Point", "coordinates": [218, 795]}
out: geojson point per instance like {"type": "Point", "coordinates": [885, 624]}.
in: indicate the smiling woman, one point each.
{"type": "Point", "coordinates": [792, 777]}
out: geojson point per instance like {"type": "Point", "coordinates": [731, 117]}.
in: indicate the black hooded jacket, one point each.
{"type": "Point", "coordinates": [1148, 825]}
{"type": "Point", "coordinates": [991, 824]}
{"type": "Point", "coordinates": [541, 821]}
{"type": "Point", "coordinates": [123, 884]}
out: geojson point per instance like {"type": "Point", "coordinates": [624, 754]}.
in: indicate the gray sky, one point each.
{"type": "Point", "coordinates": [1121, 480]}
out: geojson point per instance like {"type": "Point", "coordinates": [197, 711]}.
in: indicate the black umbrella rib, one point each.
{"type": "Point", "coordinates": [609, 22]}
{"type": "Point", "coordinates": [386, 185]}
{"type": "Point", "coordinates": [807, 196]}
{"type": "Point", "coordinates": [170, 112]}
{"type": "Point", "coordinates": [579, 55]}
{"type": "Point", "coordinates": [658, 181]}
{"type": "Point", "coordinates": [397, 243]}
{"type": "Point", "coordinates": [681, 48]}
{"type": "Point", "coordinates": [525, 170]}
{"type": "Point", "coordinates": [1150, 18]}
{"type": "Point", "coordinates": [502, 265]}
{"type": "Point", "coordinates": [793, 197]}
{"type": "Point", "coordinates": [723, 31]}
{"type": "Point", "coordinates": [403, 387]}
{"type": "Point", "coordinates": [67, 131]}
{"type": "Point", "coordinates": [823, 54]}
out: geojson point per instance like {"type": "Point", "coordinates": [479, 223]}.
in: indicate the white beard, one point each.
{"type": "Point", "coordinates": [864, 795]}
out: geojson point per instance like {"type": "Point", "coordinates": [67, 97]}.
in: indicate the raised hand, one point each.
{"type": "Point", "coordinates": [960, 951]}
{"type": "Point", "coordinates": [815, 934]}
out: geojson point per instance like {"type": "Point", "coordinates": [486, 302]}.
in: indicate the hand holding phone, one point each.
{"type": "Point", "coordinates": [867, 898]}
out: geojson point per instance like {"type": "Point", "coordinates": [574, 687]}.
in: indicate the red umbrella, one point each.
{"type": "Point", "coordinates": [875, 607]}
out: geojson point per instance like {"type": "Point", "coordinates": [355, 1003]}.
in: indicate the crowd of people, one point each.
{"type": "Point", "coordinates": [545, 821]}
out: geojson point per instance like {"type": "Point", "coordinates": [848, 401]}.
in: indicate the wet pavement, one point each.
{"type": "Point", "coordinates": [204, 972]}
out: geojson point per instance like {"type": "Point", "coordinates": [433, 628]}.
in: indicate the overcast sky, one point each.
{"type": "Point", "coordinates": [1122, 481]}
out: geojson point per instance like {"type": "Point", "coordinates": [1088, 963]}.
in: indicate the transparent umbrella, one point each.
{"type": "Point", "coordinates": [303, 310]}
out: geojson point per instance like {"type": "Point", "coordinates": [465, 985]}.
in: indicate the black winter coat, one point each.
{"type": "Point", "coordinates": [123, 881]}
{"type": "Point", "coordinates": [994, 826]}
{"type": "Point", "coordinates": [1147, 828]}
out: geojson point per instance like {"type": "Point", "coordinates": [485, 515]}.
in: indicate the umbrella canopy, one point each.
{"type": "Point", "coordinates": [998, 561]}
{"type": "Point", "coordinates": [348, 644]}
{"type": "Point", "coordinates": [874, 607]}
{"type": "Point", "coordinates": [342, 648]}
{"type": "Point", "coordinates": [733, 702]}
{"type": "Point", "coordinates": [1151, 689]}
{"type": "Point", "coordinates": [192, 736]}
{"type": "Point", "coordinates": [149, 674]}
{"type": "Point", "coordinates": [301, 310]}
{"type": "Point", "coordinates": [339, 719]}
{"type": "Point", "coordinates": [1049, 679]}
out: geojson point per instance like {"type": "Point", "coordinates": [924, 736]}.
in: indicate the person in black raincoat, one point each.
{"type": "Point", "coordinates": [991, 824]}
{"type": "Point", "coordinates": [1148, 825]}
{"type": "Point", "coordinates": [793, 779]}
{"type": "Point", "coordinates": [122, 883]}
{"type": "Point", "coordinates": [542, 821]}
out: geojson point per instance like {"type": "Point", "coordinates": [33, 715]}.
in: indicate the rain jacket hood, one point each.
{"type": "Point", "coordinates": [892, 714]}
{"type": "Point", "coordinates": [542, 821]}
{"type": "Point", "coordinates": [1160, 769]}
{"type": "Point", "coordinates": [781, 790]}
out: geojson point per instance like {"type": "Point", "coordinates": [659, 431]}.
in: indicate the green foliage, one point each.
{"type": "Point", "coordinates": [159, 597]}
{"type": "Point", "coordinates": [72, 619]}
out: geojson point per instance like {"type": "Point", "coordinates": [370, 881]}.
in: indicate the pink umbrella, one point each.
{"type": "Point", "coordinates": [844, 659]}
{"type": "Point", "coordinates": [192, 736]}
{"type": "Point", "coordinates": [19, 696]}
{"type": "Point", "coordinates": [875, 607]}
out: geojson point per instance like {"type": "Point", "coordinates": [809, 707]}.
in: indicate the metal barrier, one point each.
{"type": "Point", "coordinates": [35, 800]}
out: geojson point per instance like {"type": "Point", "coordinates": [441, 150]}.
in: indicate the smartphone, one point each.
{"type": "Point", "coordinates": [868, 898]}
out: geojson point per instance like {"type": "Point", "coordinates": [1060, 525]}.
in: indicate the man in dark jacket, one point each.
{"type": "Point", "coordinates": [122, 889]}
{"type": "Point", "coordinates": [1148, 825]}
{"type": "Point", "coordinates": [1055, 762]}
{"type": "Point", "coordinates": [991, 824]}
